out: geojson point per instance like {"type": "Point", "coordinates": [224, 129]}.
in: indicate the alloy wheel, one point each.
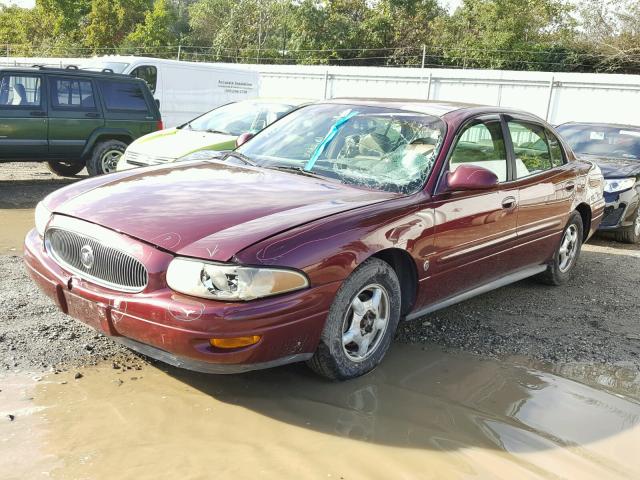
{"type": "Point", "coordinates": [568, 248]}
{"type": "Point", "coordinates": [365, 322]}
{"type": "Point", "coordinates": [636, 224]}
{"type": "Point", "coordinates": [110, 160]}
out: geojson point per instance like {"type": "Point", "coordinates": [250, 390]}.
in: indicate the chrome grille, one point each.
{"type": "Point", "coordinates": [110, 267]}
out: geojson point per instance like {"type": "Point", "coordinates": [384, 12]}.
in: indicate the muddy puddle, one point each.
{"type": "Point", "coordinates": [422, 414]}
{"type": "Point", "coordinates": [14, 225]}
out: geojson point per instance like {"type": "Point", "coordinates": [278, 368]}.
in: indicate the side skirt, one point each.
{"type": "Point", "coordinates": [500, 282]}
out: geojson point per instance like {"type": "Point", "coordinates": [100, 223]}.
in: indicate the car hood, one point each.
{"type": "Point", "coordinates": [207, 209]}
{"type": "Point", "coordinates": [174, 143]}
{"type": "Point", "coordinates": [616, 168]}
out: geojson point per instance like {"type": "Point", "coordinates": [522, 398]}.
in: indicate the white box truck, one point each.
{"type": "Point", "coordinates": [183, 89]}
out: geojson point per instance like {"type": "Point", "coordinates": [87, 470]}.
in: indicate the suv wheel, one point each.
{"type": "Point", "coordinates": [630, 234]}
{"type": "Point", "coordinates": [105, 156]}
{"type": "Point", "coordinates": [566, 255]}
{"type": "Point", "coordinates": [361, 323]}
{"type": "Point", "coordinates": [64, 169]}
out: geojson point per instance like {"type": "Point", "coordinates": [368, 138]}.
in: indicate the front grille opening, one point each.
{"type": "Point", "coordinates": [96, 262]}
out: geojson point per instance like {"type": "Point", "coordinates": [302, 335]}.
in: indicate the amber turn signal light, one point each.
{"type": "Point", "coordinates": [236, 342]}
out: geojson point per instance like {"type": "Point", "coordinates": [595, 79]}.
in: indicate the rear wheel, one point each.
{"type": "Point", "coordinates": [630, 234]}
{"type": "Point", "coordinates": [361, 323]}
{"type": "Point", "coordinates": [64, 169]}
{"type": "Point", "coordinates": [565, 258]}
{"type": "Point", "coordinates": [105, 157]}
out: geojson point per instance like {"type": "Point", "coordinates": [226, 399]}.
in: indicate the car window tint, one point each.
{"type": "Point", "coordinates": [123, 95]}
{"type": "Point", "coordinates": [557, 157]}
{"type": "Point", "coordinates": [149, 74]}
{"type": "Point", "coordinates": [531, 149]}
{"type": "Point", "coordinates": [20, 91]}
{"type": "Point", "coordinates": [68, 93]}
{"type": "Point", "coordinates": [481, 144]}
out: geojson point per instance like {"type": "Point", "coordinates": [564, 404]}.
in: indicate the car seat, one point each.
{"type": "Point", "coordinates": [19, 95]}
{"type": "Point", "coordinates": [374, 144]}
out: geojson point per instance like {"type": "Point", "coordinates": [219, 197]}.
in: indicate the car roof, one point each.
{"type": "Point", "coordinates": [429, 107]}
{"type": "Point", "coordinates": [295, 102]}
{"type": "Point", "coordinates": [600, 124]}
{"type": "Point", "coordinates": [68, 71]}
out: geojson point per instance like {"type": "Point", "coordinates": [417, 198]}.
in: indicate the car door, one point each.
{"type": "Point", "coordinates": [546, 185]}
{"type": "Point", "coordinates": [474, 229]}
{"type": "Point", "coordinates": [74, 113]}
{"type": "Point", "coordinates": [23, 116]}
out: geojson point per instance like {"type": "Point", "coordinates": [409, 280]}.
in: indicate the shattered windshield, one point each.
{"type": "Point", "coordinates": [603, 140]}
{"type": "Point", "coordinates": [373, 147]}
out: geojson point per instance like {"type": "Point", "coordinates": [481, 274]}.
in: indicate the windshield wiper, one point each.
{"type": "Point", "coordinates": [241, 157]}
{"type": "Point", "coordinates": [296, 170]}
{"type": "Point", "coordinates": [212, 130]}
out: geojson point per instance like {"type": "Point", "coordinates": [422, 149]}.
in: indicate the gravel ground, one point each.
{"type": "Point", "coordinates": [594, 318]}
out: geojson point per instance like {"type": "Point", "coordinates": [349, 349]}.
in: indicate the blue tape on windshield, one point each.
{"type": "Point", "coordinates": [327, 140]}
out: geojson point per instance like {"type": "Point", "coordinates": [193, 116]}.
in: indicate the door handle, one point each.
{"type": "Point", "coordinates": [38, 114]}
{"type": "Point", "coordinates": [569, 186]}
{"type": "Point", "coordinates": [509, 203]}
{"type": "Point", "coordinates": [92, 115]}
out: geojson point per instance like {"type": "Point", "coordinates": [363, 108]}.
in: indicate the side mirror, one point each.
{"type": "Point", "coordinates": [471, 177]}
{"type": "Point", "coordinates": [243, 138]}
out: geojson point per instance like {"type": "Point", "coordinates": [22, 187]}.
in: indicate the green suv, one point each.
{"type": "Point", "coordinates": [72, 118]}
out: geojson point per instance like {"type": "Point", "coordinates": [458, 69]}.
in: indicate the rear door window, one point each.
{"type": "Point", "coordinates": [531, 148]}
{"type": "Point", "coordinates": [72, 94]}
{"type": "Point", "coordinates": [122, 96]}
{"type": "Point", "coordinates": [149, 74]}
{"type": "Point", "coordinates": [19, 90]}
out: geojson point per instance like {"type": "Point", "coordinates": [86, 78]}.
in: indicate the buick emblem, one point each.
{"type": "Point", "coordinates": [86, 257]}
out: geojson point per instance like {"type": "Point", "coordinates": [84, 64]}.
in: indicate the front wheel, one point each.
{"type": "Point", "coordinates": [64, 169]}
{"type": "Point", "coordinates": [361, 323]}
{"type": "Point", "coordinates": [630, 234]}
{"type": "Point", "coordinates": [564, 259]}
{"type": "Point", "coordinates": [105, 157]}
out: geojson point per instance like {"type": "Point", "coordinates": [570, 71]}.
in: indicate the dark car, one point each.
{"type": "Point", "coordinates": [616, 149]}
{"type": "Point", "coordinates": [71, 118]}
{"type": "Point", "coordinates": [312, 240]}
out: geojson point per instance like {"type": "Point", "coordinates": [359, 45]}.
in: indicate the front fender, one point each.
{"type": "Point", "coordinates": [120, 133]}
{"type": "Point", "coordinates": [329, 249]}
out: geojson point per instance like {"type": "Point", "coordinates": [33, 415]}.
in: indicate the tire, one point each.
{"type": "Point", "coordinates": [560, 269]}
{"type": "Point", "coordinates": [336, 358]}
{"type": "Point", "coordinates": [105, 156]}
{"type": "Point", "coordinates": [630, 234]}
{"type": "Point", "coordinates": [64, 169]}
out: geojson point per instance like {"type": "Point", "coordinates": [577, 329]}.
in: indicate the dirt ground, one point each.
{"type": "Point", "coordinates": [594, 318]}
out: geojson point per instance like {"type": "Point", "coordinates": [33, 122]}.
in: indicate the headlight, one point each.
{"type": "Point", "coordinates": [42, 218]}
{"type": "Point", "coordinates": [202, 155]}
{"type": "Point", "coordinates": [618, 184]}
{"type": "Point", "coordinates": [221, 281]}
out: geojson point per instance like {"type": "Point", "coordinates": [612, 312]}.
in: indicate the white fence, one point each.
{"type": "Point", "coordinates": [557, 97]}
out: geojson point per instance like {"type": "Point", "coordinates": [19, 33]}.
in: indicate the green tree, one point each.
{"type": "Point", "coordinates": [110, 21]}
{"type": "Point", "coordinates": [158, 28]}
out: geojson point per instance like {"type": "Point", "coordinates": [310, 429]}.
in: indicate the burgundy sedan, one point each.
{"type": "Point", "coordinates": [312, 240]}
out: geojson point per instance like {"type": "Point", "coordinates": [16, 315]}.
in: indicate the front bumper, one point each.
{"type": "Point", "coordinates": [176, 328]}
{"type": "Point", "coordinates": [620, 209]}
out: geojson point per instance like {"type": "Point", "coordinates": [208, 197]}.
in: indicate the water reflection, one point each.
{"type": "Point", "coordinates": [427, 399]}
